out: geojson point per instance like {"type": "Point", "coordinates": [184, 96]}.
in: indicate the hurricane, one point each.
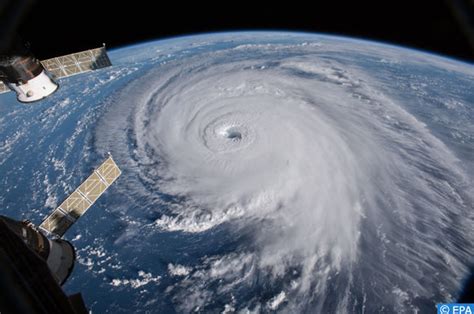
{"type": "Point", "coordinates": [283, 176]}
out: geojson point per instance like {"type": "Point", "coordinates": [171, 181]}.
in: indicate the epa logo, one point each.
{"type": "Point", "coordinates": [455, 308]}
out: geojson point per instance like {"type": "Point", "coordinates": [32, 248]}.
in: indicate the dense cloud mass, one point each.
{"type": "Point", "coordinates": [342, 192]}
{"type": "Point", "coordinates": [294, 174]}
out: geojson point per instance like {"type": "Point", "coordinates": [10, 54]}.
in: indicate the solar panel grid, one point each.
{"type": "Point", "coordinates": [76, 204]}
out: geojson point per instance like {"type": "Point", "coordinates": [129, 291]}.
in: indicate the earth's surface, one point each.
{"type": "Point", "coordinates": [261, 171]}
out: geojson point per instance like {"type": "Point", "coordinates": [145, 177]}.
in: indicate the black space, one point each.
{"type": "Point", "coordinates": [55, 28]}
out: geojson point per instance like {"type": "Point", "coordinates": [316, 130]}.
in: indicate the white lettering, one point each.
{"type": "Point", "coordinates": [462, 309]}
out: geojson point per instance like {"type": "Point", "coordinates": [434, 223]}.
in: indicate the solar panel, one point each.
{"type": "Point", "coordinates": [3, 88]}
{"type": "Point", "coordinates": [72, 64]}
{"type": "Point", "coordinates": [76, 204]}
{"type": "Point", "coordinates": [78, 62]}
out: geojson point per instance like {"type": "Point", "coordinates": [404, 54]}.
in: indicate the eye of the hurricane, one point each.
{"type": "Point", "coordinates": [227, 137]}
{"type": "Point", "coordinates": [233, 134]}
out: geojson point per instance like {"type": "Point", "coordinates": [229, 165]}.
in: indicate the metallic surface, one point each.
{"type": "Point", "coordinates": [34, 89]}
{"type": "Point", "coordinates": [78, 62]}
{"type": "Point", "coordinates": [58, 253]}
{"type": "Point", "coordinates": [26, 282]}
{"type": "Point", "coordinates": [61, 259]}
{"type": "Point", "coordinates": [34, 239]}
{"type": "Point", "coordinates": [73, 64]}
{"type": "Point", "coordinates": [74, 206]}
{"type": "Point", "coordinates": [20, 69]}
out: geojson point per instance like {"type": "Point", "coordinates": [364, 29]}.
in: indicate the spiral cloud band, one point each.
{"type": "Point", "coordinates": [335, 191]}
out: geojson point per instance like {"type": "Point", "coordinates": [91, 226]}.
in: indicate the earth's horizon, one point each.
{"type": "Point", "coordinates": [262, 171]}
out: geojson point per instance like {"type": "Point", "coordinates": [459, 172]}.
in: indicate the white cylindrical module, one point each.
{"type": "Point", "coordinates": [34, 89]}
{"type": "Point", "coordinates": [60, 259]}
{"type": "Point", "coordinates": [27, 77]}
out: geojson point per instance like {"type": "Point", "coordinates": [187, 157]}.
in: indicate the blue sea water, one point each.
{"type": "Point", "coordinates": [350, 189]}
